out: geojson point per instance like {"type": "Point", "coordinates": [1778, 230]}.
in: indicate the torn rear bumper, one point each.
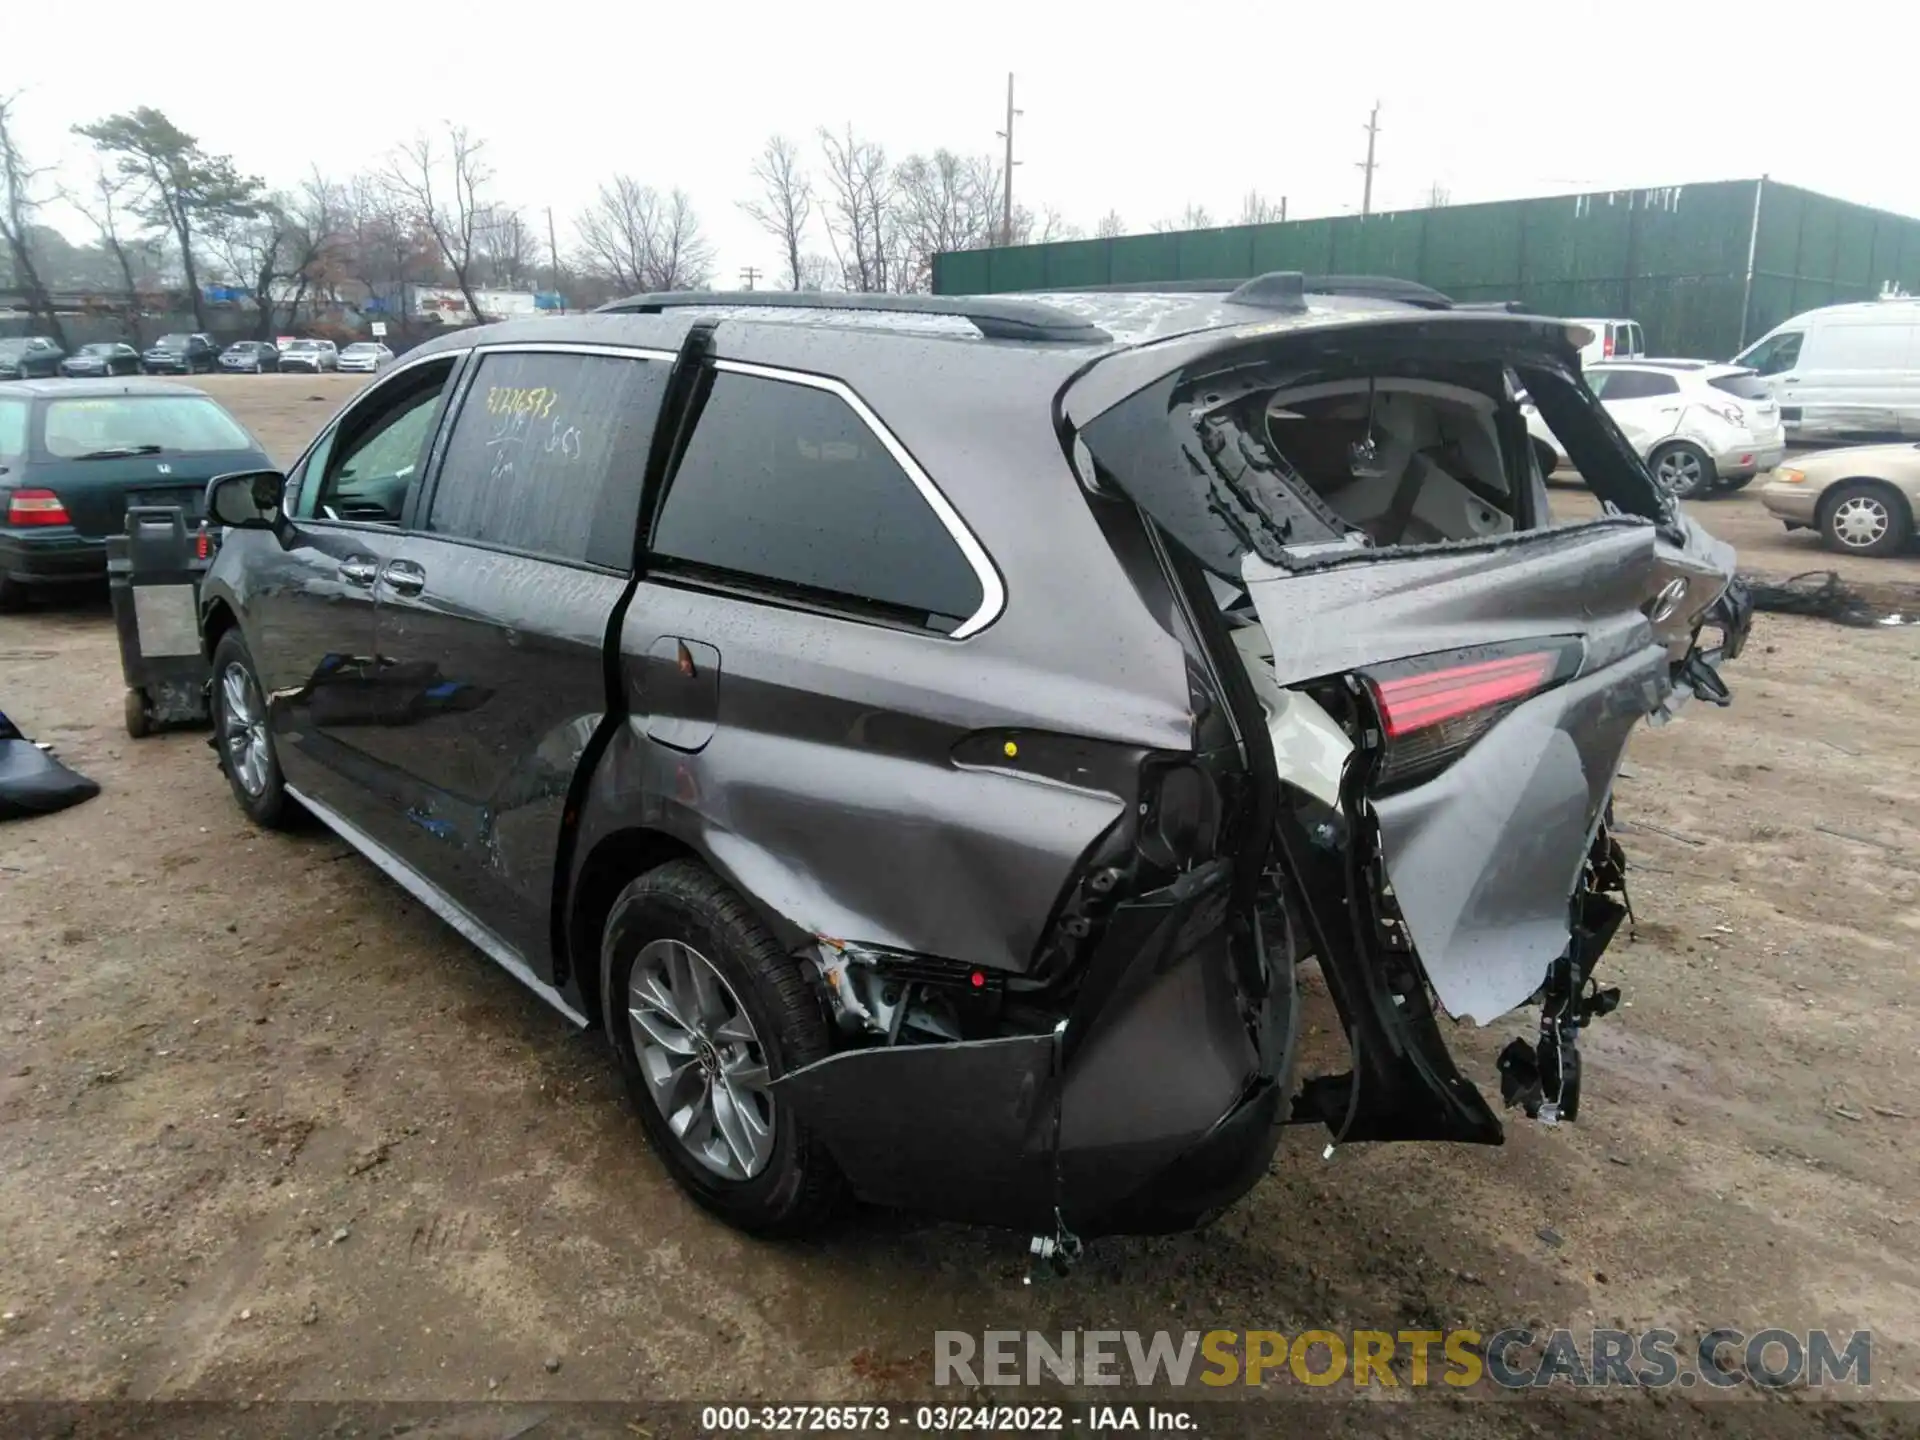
{"type": "Point", "coordinates": [1153, 1106]}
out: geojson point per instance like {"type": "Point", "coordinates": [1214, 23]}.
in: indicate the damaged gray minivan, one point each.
{"type": "Point", "coordinates": [927, 735]}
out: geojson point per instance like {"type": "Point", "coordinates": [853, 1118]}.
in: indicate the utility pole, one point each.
{"type": "Point", "coordinates": [1006, 201]}
{"type": "Point", "coordinates": [1373, 129]}
{"type": "Point", "coordinates": [749, 274]}
{"type": "Point", "coordinates": [553, 252]}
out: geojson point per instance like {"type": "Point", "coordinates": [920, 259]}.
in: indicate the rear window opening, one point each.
{"type": "Point", "coordinates": [1404, 462]}
{"type": "Point", "coordinates": [1742, 387]}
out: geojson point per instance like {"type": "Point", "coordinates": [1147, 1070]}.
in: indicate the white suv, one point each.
{"type": "Point", "coordinates": [1698, 424]}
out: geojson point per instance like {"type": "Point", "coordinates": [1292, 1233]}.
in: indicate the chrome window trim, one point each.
{"type": "Point", "coordinates": [576, 347]}
{"type": "Point", "coordinates": [993, 592]}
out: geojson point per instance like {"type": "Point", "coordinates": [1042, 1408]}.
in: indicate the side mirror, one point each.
{"type": "Point", "coordinates": [247, 499]}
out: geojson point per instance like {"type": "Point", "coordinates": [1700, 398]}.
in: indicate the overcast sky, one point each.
{"type": "Point", "coordinates": [1129, 107]}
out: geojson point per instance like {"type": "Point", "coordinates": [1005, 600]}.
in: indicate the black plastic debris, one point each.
{"type": "Point", "coordinates": [1823, 595]}
{"type": "Point", "coordinates": [32, 782]}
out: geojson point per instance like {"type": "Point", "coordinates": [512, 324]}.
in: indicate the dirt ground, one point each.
{"type": "Point", "coordinates": [269, 1130]}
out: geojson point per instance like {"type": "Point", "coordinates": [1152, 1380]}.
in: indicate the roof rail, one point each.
{"type": "Point", "coordinates": [995, 319]}
{"type": "Point", "coordinates": [1280, 289]}
{"type": "Point", "coordinates": [1504, 307]}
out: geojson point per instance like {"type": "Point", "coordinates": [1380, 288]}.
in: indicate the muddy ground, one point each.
{"type": "Point", "coordinates": [267, 1129]}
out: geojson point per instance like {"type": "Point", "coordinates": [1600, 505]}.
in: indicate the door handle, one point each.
{"type": "Point", "coordinates": [358, 570]}
{"type": "Point", "coordinates": [1791, 380]}
{"type": "Point", "coordinates": [403, 577]}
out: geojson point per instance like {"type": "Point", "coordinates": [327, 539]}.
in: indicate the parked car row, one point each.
{"type": "Point", "coordinates": [34, 357]}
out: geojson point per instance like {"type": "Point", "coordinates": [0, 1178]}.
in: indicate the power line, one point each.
{"type": "Point", "coordinates": [1368, 165]}
{"type": "Point", "coordinates": [1006, 202]}
{"type": "Point", "coordinates": [749, 274]}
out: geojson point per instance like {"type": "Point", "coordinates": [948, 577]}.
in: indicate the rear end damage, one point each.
{"type": "Point", "coordinates": [1411, 693]}
{"type": "Point", "coordinates": [1447, 679]}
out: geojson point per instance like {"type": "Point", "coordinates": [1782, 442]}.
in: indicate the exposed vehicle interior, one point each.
{"type": "Point", "coordinates": [1406, 461]}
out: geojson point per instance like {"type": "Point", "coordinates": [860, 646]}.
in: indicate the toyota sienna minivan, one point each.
{"type": "Point", "coordinates": [930, 790]}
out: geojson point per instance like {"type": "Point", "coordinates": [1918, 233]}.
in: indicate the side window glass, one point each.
{"type": "Point", "coordinates": [1597, 381]}
{"type": "Point", "coordinates": [376, 451]}
{"type": "Point", "coordinates": [548, 453]}
{"type": "Point", "coordinates": [1661, 385]}
{"type": "Point", "coordinates": [1628, 385]}
{"type": "Point", "coordinates": [785, 485]}
{"type": "Point", "coordinates": [1775, 356]}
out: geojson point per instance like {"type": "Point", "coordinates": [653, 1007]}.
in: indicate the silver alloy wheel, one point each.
{"type": "Point", "coordinates": [243, 724]}
{"type": "Point", "coordinates": [702, 1059]}
{"type": "Point", "coordinates": [1679, 472]}
{"type": "Point", "coordinates": [1861, 520]}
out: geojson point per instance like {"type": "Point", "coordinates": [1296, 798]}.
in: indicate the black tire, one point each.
{"type": "Point", "coordinates": [799, 1187]}
{"type": "Point", "coordinates": [270, 806]}
{"type": "Point", "coordinates": [13, 595]}
{"type": "Point", "coordinates": [1545, 457]}
{"type": "Point", "coordinates": [1846, 512]}
{"type": "Point", "coordinates": [1683, 470]}
{"type": "Point", "coordinates": [139, 723]}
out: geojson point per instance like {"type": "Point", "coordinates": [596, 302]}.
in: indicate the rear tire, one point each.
{"type": "Point", "coordinates": [1683, 470]}
{"type": "Point", "coordinates": [1545, 457]}
{"type": "Point", "coordinates": [712, 1052]}
{"type": "Point", "coordinates": [1864, 517]}
{"type": "Point", "coordinates": [243, 737]}
{"type": "Point", "coordinates": [13, 595]}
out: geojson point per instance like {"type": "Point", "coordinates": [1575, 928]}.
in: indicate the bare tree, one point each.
{"type": "Point", "coordinates": [508, 247]}
{"type": "Point", "coordinates": [858, 210]}
{"type": "Point", "coordinates": [1194, 217]}
{"type": "Point", "coordinates": [640, 240]}
{"type": "Point", "coordinates": [1438, 196]}
{"type": "Point", "coordinates": [1257, 209]}
{"type": "Point", "coordinates": [785, 204]}
{"type": "Point", "coordinates": [941, 202]}
{"type": "Point", "coordinates": [103, 204]}
{"type": "Point", "coordinates": [1111, 226]}
{"type": "Point", "coordinates": [254, 251]}
{"type": "Point", "coordinates": [1050, 226]}
{"type": "Point", "coordinates": [445, 200]}
{"type": "Point", "coordinates": [17, 206]}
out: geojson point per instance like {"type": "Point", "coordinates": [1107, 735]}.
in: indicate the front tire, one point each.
{"type": "Point", "coordinates": [1864, 518]}
{"type": "Point", "coordinates": [1683, 470]}
{"type": "Point", "coordinates": [706, 1011]}
{"type": "Point", "coordinates": [243, 736]}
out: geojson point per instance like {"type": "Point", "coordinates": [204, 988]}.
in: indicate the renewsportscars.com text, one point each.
{"type": "Point", "coordinates": [1512, 1359]}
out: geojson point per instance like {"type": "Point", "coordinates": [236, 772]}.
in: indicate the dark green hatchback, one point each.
{"type": "Point", "coordinates": [74, 454]}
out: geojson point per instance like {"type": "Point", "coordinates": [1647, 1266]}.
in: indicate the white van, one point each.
{"type": "Point", "coordinates": [1612, 340]}
{"type": "Point", "coordinates": [1846, 370]}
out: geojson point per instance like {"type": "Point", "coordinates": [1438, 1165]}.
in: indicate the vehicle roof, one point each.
{"type": "Point", "coordinates": [1714, 369]}
{"type": "Point", "coordinates": [1894, 309]}
{"type": "Point", "coordinates": [1091, 323]}
{"type": "Point", "coordinates": [96, 389]}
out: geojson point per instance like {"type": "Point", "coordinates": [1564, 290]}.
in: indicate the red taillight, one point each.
{"type": "Point", "coordinates": [1435, 707]}
{"type": "Point", "coordinates": [1606, 347]}
{"type": "Point", "coordinates": [36, 507]}
{"type": "Point", "coordinates": [202, 543]}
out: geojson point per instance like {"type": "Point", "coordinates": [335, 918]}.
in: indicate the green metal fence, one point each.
{"type": "Point", "coordinates": [1703, 268]}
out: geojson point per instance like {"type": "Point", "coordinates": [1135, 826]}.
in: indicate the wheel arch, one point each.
{"type": "Point", "coordinates": [217, 616]}
{"type": "Point", "coordinates": [613, 861]}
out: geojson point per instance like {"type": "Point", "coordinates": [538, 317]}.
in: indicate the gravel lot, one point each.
{"type": "Point", "coordinates": [267, 1129]}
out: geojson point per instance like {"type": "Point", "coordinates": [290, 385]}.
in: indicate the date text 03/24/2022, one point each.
{"type": "Point", "coordinates": [941, 1419]}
